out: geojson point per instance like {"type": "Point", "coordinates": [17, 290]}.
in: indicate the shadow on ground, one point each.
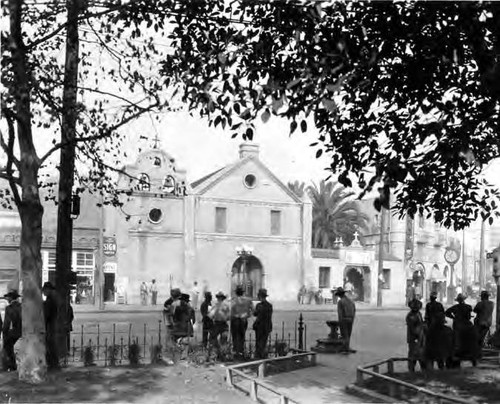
{"type": "Point", "coordinates": [173, 384]}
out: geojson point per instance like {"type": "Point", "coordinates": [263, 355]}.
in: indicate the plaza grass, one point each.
{"type": "Point", "coordinates": [182, 383]}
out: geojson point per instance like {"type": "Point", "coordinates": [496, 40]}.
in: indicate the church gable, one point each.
{"type": "Point", "coordinates": [248, 179]}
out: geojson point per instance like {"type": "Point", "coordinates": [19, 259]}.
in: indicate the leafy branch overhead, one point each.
{"type": "Point", "coordinates": [405, 96]}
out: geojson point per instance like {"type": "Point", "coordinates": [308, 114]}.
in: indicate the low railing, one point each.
{"type": "Point", "coordinates": [306, 359]}
{"type": "Point", "coordinates": [396, 386]}
{"type": "Point", "coordinates": [102, 343]}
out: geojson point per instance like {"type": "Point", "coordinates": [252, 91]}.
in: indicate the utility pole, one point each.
{"type": "Point", "coordinates": [99, 274]}
{"type": "Point", "coordinates": [464, 264]}
{"type": "Point", "coordinates": [482, 260]}
{"type": "Point", "coordinates": [380, 258]}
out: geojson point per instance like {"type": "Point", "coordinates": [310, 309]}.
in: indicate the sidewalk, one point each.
{"type": "Point", "coordinates": [278, 306]}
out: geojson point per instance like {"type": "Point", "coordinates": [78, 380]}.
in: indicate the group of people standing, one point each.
{"type": "Point", "coordinates": [11, 327]}
{"type": "Point", "coordinates": [429, 339]}
{"type": "Point", "coordinates": [145, 291]}
{"type": "Point", "coordinates": [220, 318]}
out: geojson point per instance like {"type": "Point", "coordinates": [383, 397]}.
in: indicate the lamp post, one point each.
{"type": "Point", "coordinates": [244, 252]}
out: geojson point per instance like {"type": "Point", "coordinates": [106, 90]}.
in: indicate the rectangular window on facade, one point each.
{"type": "Point", "coordinates": [220, 220]}
{"type": "Point", "coordinates": [275, 222]}
{"type": "Point", "coordinates": [387, 278]}
{"type": "Point", "coordinates": [324, 277]}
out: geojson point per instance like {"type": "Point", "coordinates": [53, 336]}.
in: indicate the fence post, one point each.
{"type": "Point", "coordinates": [262, 370]}
{"type": "Point", "coordinates": [81, 344]}
{"type": "Point", "coordinates": [229, 377]}
{"type": "Point", "coordinates": [253, 390]}
{"type": "Point", "coordinates": [98, 335]}
{"type": "Point", "coordinates": [283, 399]}
{"type": "Point", "coordinates": [301, 332]}
{"type": "Point", "coordinates": [359, 377]}
{"type": "Point", "coordinates": [159, 332]}
{"type": "Point", "coordinates": [390, 366]}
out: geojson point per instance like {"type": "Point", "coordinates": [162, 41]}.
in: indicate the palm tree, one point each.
{"type": "Point", "coordinates": [335, 214]}
{"type": "Point", "coordinates": [297, 187]}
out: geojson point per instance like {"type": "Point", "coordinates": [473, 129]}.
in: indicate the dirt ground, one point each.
{"type": "Point", "coordinates": [181, 383]}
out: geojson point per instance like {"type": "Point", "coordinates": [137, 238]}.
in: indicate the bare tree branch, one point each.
{"type": "Point", "coordinates": [106, 133]}
{"type": "Point", "coordinates": [95, 90]}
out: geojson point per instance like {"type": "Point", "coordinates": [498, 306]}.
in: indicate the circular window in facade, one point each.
{"type": "Point", "coordinates": [155, 215]}
{"type": "Point", "coordinates": [250, 181]}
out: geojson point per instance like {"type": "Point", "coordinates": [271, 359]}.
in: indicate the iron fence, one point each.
{"type": "Point", "coordinates": [123, 343]}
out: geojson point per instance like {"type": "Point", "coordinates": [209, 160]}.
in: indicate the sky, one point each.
{"type": "Point", "coordinates": [201, 150]}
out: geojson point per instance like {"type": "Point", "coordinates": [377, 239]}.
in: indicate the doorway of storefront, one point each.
{"type": "Point", "coordinates": [247, 272]}
{"type": "Point", "coordinates": [109, 287]}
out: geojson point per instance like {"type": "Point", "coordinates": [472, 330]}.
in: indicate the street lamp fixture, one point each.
{"type": "Point", "coordinates": [75, 206]}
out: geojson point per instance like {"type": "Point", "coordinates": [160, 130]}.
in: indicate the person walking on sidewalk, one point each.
{"type": "Point", "coordinates": [241, 310]}
{"type": "Point", "coordinates": [207, 322]}
{"type": "Point", "coordinates": [263, 324]}
{"type": "Point", "coordinates": [346, 310]}
{"type": "Point", "coordinates": [154, 292]}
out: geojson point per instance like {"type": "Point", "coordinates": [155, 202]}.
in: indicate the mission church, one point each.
{"type": "Point", "coordinates": [237, 225]}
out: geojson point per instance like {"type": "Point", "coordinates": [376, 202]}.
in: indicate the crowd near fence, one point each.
{"type": "Point", "coordinates": [125, 343]}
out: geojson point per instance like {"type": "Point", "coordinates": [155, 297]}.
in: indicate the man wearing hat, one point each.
{"type": "Point", "coordinates": [466, 337]}
{"type": "Point", "coordinates": [433, 311]}
{"type": "Point", "coordinates": [168, 310]}
{"type": "Point", "coordinates": [415, 335]}
{"type": "Point", "coordinates": [183, 318]}
{"type": "Point", "coordinates": [263, 324]}
{"type": "Point", "coordinates": [484, 316]}
{"type": "Point", "coordinates": [219, 313]}
{"type": "Point", "coordinates": [207, 322]}
{"type": "Point", "coordinates": [346, 310]}
{"type": "Point", "coordinates": [241, 310]}
{"type": "Point", "coordinates": [12, 329]}
{"type": "Point", "coordinates": [50, 311]}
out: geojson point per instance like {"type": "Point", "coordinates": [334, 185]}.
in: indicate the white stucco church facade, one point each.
{"type": "Point", "coordinates": [237, 225]}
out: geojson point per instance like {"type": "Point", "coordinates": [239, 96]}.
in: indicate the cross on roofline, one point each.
{"type": "Point", "coordinates": [156, 141]}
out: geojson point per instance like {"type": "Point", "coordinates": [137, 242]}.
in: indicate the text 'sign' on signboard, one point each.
{"type": "Point", "coordinates": [109, 246]}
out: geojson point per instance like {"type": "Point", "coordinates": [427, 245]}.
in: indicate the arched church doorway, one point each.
{"type": "Point", "coordinates": [357, 281]}
{"type": "Point", "coordinates": [418, 279]}
{"type": "Point", "coordinates": [247, 272]}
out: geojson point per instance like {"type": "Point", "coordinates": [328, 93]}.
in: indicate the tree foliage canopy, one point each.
{"type": "Point", "coordinates": [405, 96]}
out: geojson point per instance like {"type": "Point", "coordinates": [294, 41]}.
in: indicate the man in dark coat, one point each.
{"type": "Point", "coordinates": [12, 329]}
{"type": "Point", "coordinates": [484, 316]}
{"type": "Point", "coordinates": [183, 317]}
{"type": "Point", "coordinates": [50, 311]}
{"type": "Point", "coordinates": [415, 335]}
{"type": "Point", "coordinates": [466, 346]}
{"type": "Point", "coordinates": [433, 311]}
{"type": "Point", "coordinates": [346, 310]}
{"type": "Point", "coordinates": [241, 310]}
{"type": "Point", "coordinates": [263, 324]}
{"type": "Point", "coordinates": [207, 322]}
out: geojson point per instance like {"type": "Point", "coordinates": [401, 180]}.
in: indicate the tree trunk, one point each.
{"type": "Point", "coordinates": [64, 244]}
{"type": "Point", "coordinates": [32, 367]}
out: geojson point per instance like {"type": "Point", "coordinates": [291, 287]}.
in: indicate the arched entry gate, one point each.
{"type": "Point", "coordinates": [248, 272]}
